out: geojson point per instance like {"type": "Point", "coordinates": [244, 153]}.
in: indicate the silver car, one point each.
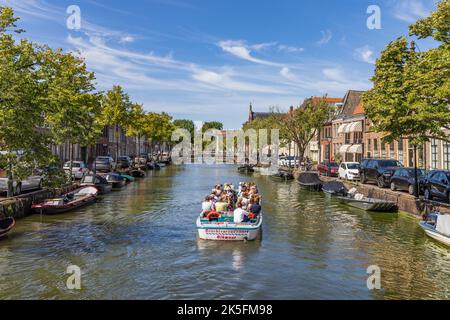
{"type": "Point", "coordinates": [28, 184]}
{"type": "Point", "coordinates": [79, 169]}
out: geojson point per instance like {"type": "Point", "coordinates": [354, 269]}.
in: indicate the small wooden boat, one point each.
{"type": "Point", "coordinates": [97, 181]}
{"type": "Point", "coordinates": [67, 202]}
{"type": "Point", "coordinates": [282, 176]}
{"type": "Point", "coordinates": [116, 180]}
{"type": "Point", "coordinates": [137, 173]}
{"type": "Point", "coordinates": [127, 177]}
{"type": "Point", "coordinates": [369, 204]}
{"type": "Point", "coordinates": [246, 169]}
{"type": "Point", "coordinates": [6, 226]}
{"type": "Point", "coordinates": [310, 181]}
{"type": "Point", "coordinates": [437, 226]}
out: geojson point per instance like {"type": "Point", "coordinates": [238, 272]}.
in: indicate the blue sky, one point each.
{"type": "Point", "coordinates": [208, 59]}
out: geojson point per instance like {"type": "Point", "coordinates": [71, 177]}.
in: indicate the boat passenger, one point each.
{"type": "Point", "coordinates": [221, 205]}
{"type": "Point", "coordinates": [240, 215]}
{"type": "Point", "coordinates": [255, 206]}
{"type": "Point", "coordinates": [207, 205]}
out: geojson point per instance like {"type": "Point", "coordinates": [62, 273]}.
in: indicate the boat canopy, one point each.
{"type": "Point", "coordinates": [309, 178]}
{"type": "Point", "coordinates": [443, 224]}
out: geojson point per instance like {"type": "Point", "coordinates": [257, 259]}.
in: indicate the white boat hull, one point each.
{"type": "Point", "coordinates": [435, 234]}
{"type": "Point", "coordinates": [227, 231]}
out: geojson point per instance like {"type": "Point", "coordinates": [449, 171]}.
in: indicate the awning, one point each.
{"type": "Point", "coordinates": [355, 127]}
{"type": "Point", "coordinates": [356, 148]}
{"type": "Point", "coordinates": [344, 148]}
{"type": "Point", "coordinates": [342, 128]}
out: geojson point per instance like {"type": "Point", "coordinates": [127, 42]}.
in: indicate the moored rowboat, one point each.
{"type": "Point", "coordinates": [437, 226]}
{"type": "Point", "coordinates": [6, 226]}
{"type": "Point", "coordinates": [369, 204]}
{"type": "Point", "coordinates": [67, 202]}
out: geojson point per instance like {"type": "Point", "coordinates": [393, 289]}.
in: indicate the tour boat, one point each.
{"type": "Point", "coordinates": [6, 226]}
{"type": "Point", "coordinates": [310, 181]}
{"type": "Point", "coordinates": [224, 229]}
{"type": "Point", "coordinates": [67, 202]}
{"type": "Point", "coordinates": [437, 226]}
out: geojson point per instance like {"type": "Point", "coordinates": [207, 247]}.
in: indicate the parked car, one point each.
{"type": "Point", "coordinates": [349, 170]}
{"type": "Point", "coordinates": [288, 161]}
{"type": "Point", "coordinates": [437, 185]}
{"type": "Point", "coordinates": [105, 164]}
{"type": "Point", "coordinates": [124, 162]}
{"type": "Point", "coordinates": [28, 184]}
{"type": "Point", "coordinates": [378, 170]}
{"type": "Point", "coordinates": [328, 168]}
{"type": "Point", "coordinates": [404, 179]}
{"type": "Point", "coordinates": [79, 169]}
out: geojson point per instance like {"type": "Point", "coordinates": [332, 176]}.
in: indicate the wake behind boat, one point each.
{"type": "Point", "coordinates": [229, 215]}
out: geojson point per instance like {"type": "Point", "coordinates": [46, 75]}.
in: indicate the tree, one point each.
{"type": "Point", "coordinates": [158, 128]}
{"type": "Point", "coordinates": [186, 124]}
{"type": "Point", "coordinates": [22, 88]}
{"type": "Point", "coordinates": [136, 125]}
{"type": "Point", "coordinates": [116, 110]}
{"type": "Point", "coordinates": [212, 125]}
{"type": "Point", "coordinates": [411, 94]}
{"type": "Point", "coordinates": [299, 125]}
{"type": "Point", "coordinates": [71, 106]}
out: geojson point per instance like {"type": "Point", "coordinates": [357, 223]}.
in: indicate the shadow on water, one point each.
{"type": "Point", "coordinates": [141, 243]}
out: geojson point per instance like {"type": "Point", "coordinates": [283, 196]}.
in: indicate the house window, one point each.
{"type": "Point", "coordinates": [375, 148]}
{"type": "Point", "coordinates": [434, 154]}
{"type": "Point", "coordinates": [357, 138]}
{"type": "Point", "coordinates": [347, 138]}
{"type": "Point", "coordinates": [446, 155]}
{"type": "Point", "coordinates": [400, 150]}
{"type": "Point", "coordinates": [383, 150]}
{"type": "Point", "coordinates": [392, 150]}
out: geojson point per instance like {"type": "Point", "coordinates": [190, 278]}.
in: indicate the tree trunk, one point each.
{"type": "Point", "coordinates": [117, 146]}
{"type": "Point", "coordinates": [10, 192]}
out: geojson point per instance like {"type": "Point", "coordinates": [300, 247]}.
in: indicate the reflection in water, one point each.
{"type": "Point", "coordinates": [141, 242]}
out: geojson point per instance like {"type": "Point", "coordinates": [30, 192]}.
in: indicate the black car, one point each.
{"type": "Point", "coordinates": [378, 170]}
{"type": "Point", "coordinates": [404, 179]}
{"type": "Point", "coordinates": [437, 185]}
{"type": "Point", "coordinates": [124, 162]}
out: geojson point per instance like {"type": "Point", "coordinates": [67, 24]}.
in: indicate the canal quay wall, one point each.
{"type": "Point", "coordinates": [20, 206]}
{"type": "Point", "coordinates": [406, 203]}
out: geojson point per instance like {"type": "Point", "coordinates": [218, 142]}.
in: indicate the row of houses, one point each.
{"type": "Point", "coordinates": [106, 145]}
{"type": "Point", "coordinates": [349, 136]}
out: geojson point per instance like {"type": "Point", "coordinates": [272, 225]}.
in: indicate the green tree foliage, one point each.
{"type": "Point", "coordinates": [116, 111]}
{"type": "Point", "coordinates": [22, 91]}
{"type": "Point", "coordinates": [411, 93]}
{"type": "Point", "coordinates": [186, 124]}
{"type": "Point", "coordinates": [159, 128]}
{"type": "Point", "coordinates": [136, 124]}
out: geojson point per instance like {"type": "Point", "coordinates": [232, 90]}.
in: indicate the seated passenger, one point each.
{"type": "Point", "coordinates": [221, 205]}
{"type": "Point", "coordinates": [207, 205]}
{"type": "Point", "coordinates": [255, 207]}
{"type": "Point", "coordinates": [240, 215]}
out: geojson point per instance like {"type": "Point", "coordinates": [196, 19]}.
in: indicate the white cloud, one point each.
{"type": "Point", "coordinates": [241, 50]}
{"type": "Point", "coordinates": [334, 74]}
{"type": "Point", "coordinates": [327, 35]}
{"type": "Point", "coordinates": [364, 54]}
{"type": "Point", "coordinates": [410, 10]}
{"type": "Point", "coordinates": [126, 39]}
{"type": "Point", "coordinates": [290, 49]}
{"type": "Point", "coordinates": [286, 73]}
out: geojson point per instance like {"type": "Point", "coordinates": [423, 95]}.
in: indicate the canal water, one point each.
{"type": "Point", "coordinates": [141, 243]}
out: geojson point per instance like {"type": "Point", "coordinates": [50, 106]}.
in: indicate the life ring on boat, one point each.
{"type": "Point", "coordinates": [251, 216]}
{"type": "Point", "coordinates": [213, 215]}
